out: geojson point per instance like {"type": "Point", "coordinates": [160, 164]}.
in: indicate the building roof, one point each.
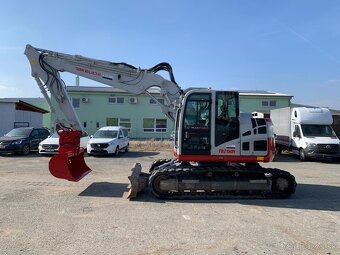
{"type": "Point", "coordinates": [262, 93]}
{"type": "Point", "coordinates": [23, 106]}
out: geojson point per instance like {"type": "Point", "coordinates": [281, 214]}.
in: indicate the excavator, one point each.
{"type": "Point", "coordinates": [217, 148]}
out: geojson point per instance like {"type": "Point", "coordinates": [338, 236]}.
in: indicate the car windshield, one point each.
{"type": "Point", "coordinates": [19, 132]}
{"type": "Point", "coordinates": [317, 130]}
{"type": "Point", "coordinates": [105, 134]}
{"type": "Point", "coordinates": [55, 135]}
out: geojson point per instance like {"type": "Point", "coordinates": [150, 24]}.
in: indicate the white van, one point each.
{"type": "Point", "coordinates": [306, 132]}
{"type": "Point", "coordinates": [109, 140]}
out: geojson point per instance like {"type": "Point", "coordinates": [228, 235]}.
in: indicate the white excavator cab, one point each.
{"type": "Point", "coordinates": [210, 128]}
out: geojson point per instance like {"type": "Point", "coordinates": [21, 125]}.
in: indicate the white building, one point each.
{"type": "Point", "coordinates": [17, 113]}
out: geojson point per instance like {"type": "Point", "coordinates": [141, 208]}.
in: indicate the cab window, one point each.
{"type": "Point", "coordinates": [120, 134]}
{"type": "Point", "coordinates": [196, 125]}
{"type": "Point", "coordinates": [226, 117]}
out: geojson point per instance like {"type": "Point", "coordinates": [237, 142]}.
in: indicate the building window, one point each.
{"type": "Point", "coordinates": [125, 123]}
{"type": "Point", "coordinates": [161, 125]}
{"type": "Point", "coordinates": [76, 102]}
{"type": "Point", "coordinates": [97, 125]}
{"type": "Point", "coordinates": [21, 124]}
{"type": "Point", "coordinates": [154, 125]}
{"type": "Point", "coordinates": [116, 100]}
{"type": "Point", "coordinates": [160, 100]}
{"type": "Point", "coordinates": [85, 124]}
{"type": "Point", "coordinates": [148, 125]}
{"type": "Point", "coordinates": [269, 103]}
{"type": "Point", "coordinates": [119, 122]}
{"type": "Point", "coordinates": [111, 121]}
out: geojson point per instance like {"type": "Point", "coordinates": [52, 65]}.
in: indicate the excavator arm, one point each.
{"type": "Point", "coordinates": [46, 66]}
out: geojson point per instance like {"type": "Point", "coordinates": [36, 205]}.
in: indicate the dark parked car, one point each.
{"type": "Point", "coordinates": [22, 140]}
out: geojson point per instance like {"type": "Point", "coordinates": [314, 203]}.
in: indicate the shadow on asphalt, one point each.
{"type": "Point", "coordinates": [307, 196]}
{"type": "Point", "coordinates": [286, 158]}
{"type": "Point", "coordinates": [130, 154]}
{"type": "Point", "coordinates": [32, 154]}
{"type": "Point", "coordinates": [105, 189]}
{"type": "Point", "coordinates": [293, 158]}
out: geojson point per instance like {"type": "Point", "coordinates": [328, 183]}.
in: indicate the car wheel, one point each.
{"type": "Point", "coordinates": [127, 148]}
{"type": "Point", "coordinates": [26, 149]}
{"type": "Point", "coordinates": [116, 151]}
{"type": "Point", "coordinates": [302, 155]}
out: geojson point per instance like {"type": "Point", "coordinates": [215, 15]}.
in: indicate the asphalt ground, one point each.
{"type": "Point", "coordinates": [40, 214]}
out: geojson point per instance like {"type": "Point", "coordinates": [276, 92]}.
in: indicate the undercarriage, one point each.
{"type": "Point", "coordinates": [173, 179]}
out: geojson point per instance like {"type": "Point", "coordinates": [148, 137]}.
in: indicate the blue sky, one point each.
{"type": "Point", "coordinates": [290, 47]}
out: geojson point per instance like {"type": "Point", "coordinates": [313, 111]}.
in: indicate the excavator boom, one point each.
{"type": "Point", "coordinates": [46, 66]}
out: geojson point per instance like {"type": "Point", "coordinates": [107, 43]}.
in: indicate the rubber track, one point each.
{"type": "Point", "coordinates": [158, 162]}
{"type": "Point", "coordinates": [187, 170]}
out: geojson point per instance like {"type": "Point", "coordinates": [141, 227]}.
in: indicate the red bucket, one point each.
{"type": "Point", "coordinates": [69, 164]}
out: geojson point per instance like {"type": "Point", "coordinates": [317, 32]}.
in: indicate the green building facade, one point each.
{"type": "Point", "coordinates": [100, 106]}
{"type": "Point", "coordinates": [263, 101]}
{"type": "Point", "coordinates": [105, 106]}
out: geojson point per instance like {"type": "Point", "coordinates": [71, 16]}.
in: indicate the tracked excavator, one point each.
{"type": "Point", "coordinates": [217, 149]}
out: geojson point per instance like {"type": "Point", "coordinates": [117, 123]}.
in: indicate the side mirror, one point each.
{"type": "Point", "coordinates": [120, 136]}
{"type": "Point", "coordinates": [91, 136]}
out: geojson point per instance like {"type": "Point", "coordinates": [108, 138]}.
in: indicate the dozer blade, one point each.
{"type": "Point", "coordinates": [138, 180]}
{"type": "Point", "coordinates": [69, 166]}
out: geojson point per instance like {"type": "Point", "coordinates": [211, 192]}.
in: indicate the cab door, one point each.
{"type": "Point", "coordinates": [196, 127]}
{"type": "Point", "coordinates": [227, 124]}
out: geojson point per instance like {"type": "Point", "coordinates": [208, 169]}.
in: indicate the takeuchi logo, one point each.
{"type": "Point", "coordinates": [79, 69]}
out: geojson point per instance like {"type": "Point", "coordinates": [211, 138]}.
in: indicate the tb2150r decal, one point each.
{"type": "Point", "coordinates": [226, 151]}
